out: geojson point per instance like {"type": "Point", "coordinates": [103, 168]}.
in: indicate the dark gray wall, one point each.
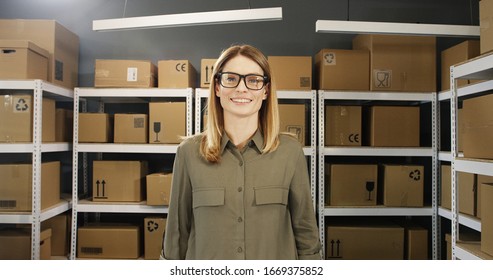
{"type": "Point", "coordinates": [294, 35]}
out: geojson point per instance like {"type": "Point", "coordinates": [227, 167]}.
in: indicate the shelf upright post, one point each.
{"type": "Point", "coordinates": [454, 153]}
{"type": "Point", "coordinates": [435, 225]}
{"type": "Point", "coordinates": [321, 169]}
{"type": "Point", "coordinates": [313, 147]}
{"type": "Point", "coordinates": [36, 170]}
{"type": "Point", "coordinates": [75, 171]}
{"type": "Point", "coordinates": [189, 105]}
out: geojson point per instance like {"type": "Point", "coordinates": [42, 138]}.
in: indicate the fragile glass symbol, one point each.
{"type": "Point", "coordinates": [157, 129]}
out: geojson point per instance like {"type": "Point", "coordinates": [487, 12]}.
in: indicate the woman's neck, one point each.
{"type": "Point", "coordinates": [240, 130]}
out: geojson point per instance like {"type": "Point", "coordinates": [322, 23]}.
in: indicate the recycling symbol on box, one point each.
{"type": "Point", "coordinates": [152, 226]}
{"type": "Point", "coordinates": [415, 175]}
{"type": "Point", "coordinates": [21, 105]}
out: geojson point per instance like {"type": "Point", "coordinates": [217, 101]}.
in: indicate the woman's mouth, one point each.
{"type": "Point", "coordinates": [241, 100]}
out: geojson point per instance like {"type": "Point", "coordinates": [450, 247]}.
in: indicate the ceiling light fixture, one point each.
{"type": "Point", "coordinates": [188, 19]}
{"type": "Point", "coordinates": [416, 29]}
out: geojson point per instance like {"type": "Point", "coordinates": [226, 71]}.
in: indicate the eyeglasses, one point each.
{"type": "Point", "coordinates": [232, 80]}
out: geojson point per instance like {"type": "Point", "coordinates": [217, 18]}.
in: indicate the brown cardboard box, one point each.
{"type": "Point", "coordinates": [487, 218]}
{"type": "Point", "coordinates": [467, 190]}
{"type": "Point", "coordinates": [131, 128]}
{"type": "Point", "coordinates": [352, 184]}
{"type": "Point", "coordinates": [360, 242]}
{"type": "Point", "coordinates": [176, 74]}
{"type": "Point", "coordinates": [125, 73]}
{"type": "Point", "coordinates": [478, 127]}
{"type": "Point", "coordinates": [60, 229]}
{"type": "Point", "coordinates": [343, 69]}
{"type": "Point", "coordinates": [95, 128]}
{"type": "Point", "coordinates": [154, 228]}
{"type": "Point", "coordinates": [206, 70]}
{"type": "Point", "coordinates": [16, 186]}
{"type": "Point", "coordinates": [400, 63]}
{"type": "Point", "coordinates": [403, 185]}
{"type": "Point", "coordinates": [158, 188]}
{"type": "Point", "coordinates": [64, 125]}
{"type": "Point", "coordinates": [292, 120]}
{"type": "Point", "coordinates": [471, 241]}
{"type": "Point", "coordinates": [486, 25]}
{"type": "Point", "coordinates": [481, 179]}
{"type": "Point", "coordinates": [61, 43]}
{"type": "Point", "coordinates": [343, 125]}
{"type": "Point", "coordinates": [109, 242]}
{"type": "Point", "coordinates": [416, 243]}
{"type": "Point", "coordinates": [118, 180]}
{"type": "Point", "coordinates": [22, 59]}
{"type": "Point", "coordinates": [291, 72]}
{"type": "Point", "coordinates": [394, 126]}
{"type": "Point", "coordinates": [15, 244]}
{"type": "Point", "coordinates": [167, 122]}
{"type": "Point", "coordinates": [454, 55]}
{"type": "Point", "coordinates": [16, 113]}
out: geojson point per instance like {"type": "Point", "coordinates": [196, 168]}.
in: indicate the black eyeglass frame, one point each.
{"type": "Point", "coordinates": [242, 77]}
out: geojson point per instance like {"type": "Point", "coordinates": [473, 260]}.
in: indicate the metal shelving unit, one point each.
{"type": "Point", "coordinates": [323, 152]}
{"type": "Point", "coordinates": [39, 89]}
{"type": "Point", "coordinates": [307, 96]}
{"type": "Point", "coordinates": [480, 68]}
{"type": "Point", "coordinates": [117, 95]}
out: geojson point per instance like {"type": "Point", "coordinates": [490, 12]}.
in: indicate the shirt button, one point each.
{"type": "Point", "coordinates": [241, 163]}
{"type": "Point", "coordinates": [240, 189]}
{"type": "Point", "coordinates": [240, 249]}
{"type": "Point", "coordinates": [240, 219]}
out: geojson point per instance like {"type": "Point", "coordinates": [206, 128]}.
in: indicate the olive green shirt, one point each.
{"type": "Point", "coordinates": [248, 206]}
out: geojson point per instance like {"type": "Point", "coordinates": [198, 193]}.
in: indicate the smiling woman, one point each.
{"type": "Point", "coordinates": [241, 180]}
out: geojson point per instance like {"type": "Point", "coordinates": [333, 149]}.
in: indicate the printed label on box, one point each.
{"type": "Point", "coordinates": [21, 104]}
{"type": "Point", "coordinates": [138, 122]}
{"type": "Point", "coordinates": [132, 74]}
{"type": "Point", "coordinates": [382, 78]}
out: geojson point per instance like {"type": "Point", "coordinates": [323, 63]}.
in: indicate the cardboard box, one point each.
{"type": "Point", "coordinates": [117, 73]}
{"type": "Point", "coordinates": [60, 237]}
{"type": "Point", "coordinates": [486, 25]}
{"type": "Point", "coordinates": [118, 180]}
{"type": "Point", "coordinates": [154, 230]}
{"type": "Point", "coordinates": [16, 186]}
{"type": "Point", "coordinates": [22, 59]}
{"type": "Point", "coordinates": [467, 190]}
{"type": "Point", "coordinates": [343, 69]}
{"type": "Point", "coordinates": [478, 127]}
{"type": "Point", "coordinates": [394, 126]}
{"type": "Point", "coordinates": [95, 128]}
{"type": "Point", "coordinates": [61, 43]}
{"type": "Point", "coordinates": [206, 71]}
{"type": "Point", "coordinates": [403, 185]}
{"type": "Point", "coordinates": [109, 242]}
{"type": "Point", "coordinates": [64, 120]}
{"type": "Point", "coordinates": [351, 184]}
{"type": "Point", "coordinates": [167, 122]}
{"type": "Point", "coordinates": [360, 242]}
{"type": "Point", "coordinates": [400, 63]}
{"type": "Point", "coordinates": [291, 72]}
{"type": "Point", "coordinates": [487, 218]}
{"type": "Point", "coordinates": [131, 128]}
{"type": "Point", "coordinates": [176, 74]}
{"type": "Point", "coordinates": [158, 188]}
{"type": "Point", "coordinates": [454, 55]}
{"type": "Point", "coordinates": [343, 126]}
{"type": "Point", "coordinates": [292, 120]}
{"type": "Point", "coordinates": [471, 241]}
{"type": "Point", "coordinates": [416, 243]}
{"type": "Point", "coordinates": [15, 244]}
{"type": "Point", "coordinates": [481, 179]}
{"type": "Point", "coordinates": [16, 113]}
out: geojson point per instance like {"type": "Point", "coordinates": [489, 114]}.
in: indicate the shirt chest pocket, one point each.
{"type": "Point", "coordinates": [271, 195]}
{"type": "Point", "coordinates": [208, 197]}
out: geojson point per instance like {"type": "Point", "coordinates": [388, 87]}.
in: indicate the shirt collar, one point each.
{"type": "Point", "coordinates": [256, 141]}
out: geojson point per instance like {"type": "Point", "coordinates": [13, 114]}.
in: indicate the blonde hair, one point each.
{"type": "Point", "coordinates": [268, 113]}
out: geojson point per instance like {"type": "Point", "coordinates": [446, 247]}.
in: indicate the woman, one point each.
{"type": "Point", "coordinates": [241, 189]}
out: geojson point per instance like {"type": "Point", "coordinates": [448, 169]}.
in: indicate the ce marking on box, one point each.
{"type": "Point", "coordinates": [181, 67]}
{"type": "Point", "coordinates": [353, 138]}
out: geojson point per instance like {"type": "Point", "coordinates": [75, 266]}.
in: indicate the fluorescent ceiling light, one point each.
{"type": "Point", "coordinates": [188, 19]}
{"type": "Point", "coordinates": [366, 27]}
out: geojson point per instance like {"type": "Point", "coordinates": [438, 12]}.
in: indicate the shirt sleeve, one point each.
{"type": "Point", "coordinates": [179, 212]}
{"type": "Point", "coordinates": [302, 213]}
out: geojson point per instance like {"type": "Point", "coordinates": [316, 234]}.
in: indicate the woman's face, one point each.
{"type": "Point", "coordinates": [241, 102]}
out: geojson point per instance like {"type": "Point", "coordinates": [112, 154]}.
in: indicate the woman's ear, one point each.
{"type": "Point", "coordinates": [216, 88]}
